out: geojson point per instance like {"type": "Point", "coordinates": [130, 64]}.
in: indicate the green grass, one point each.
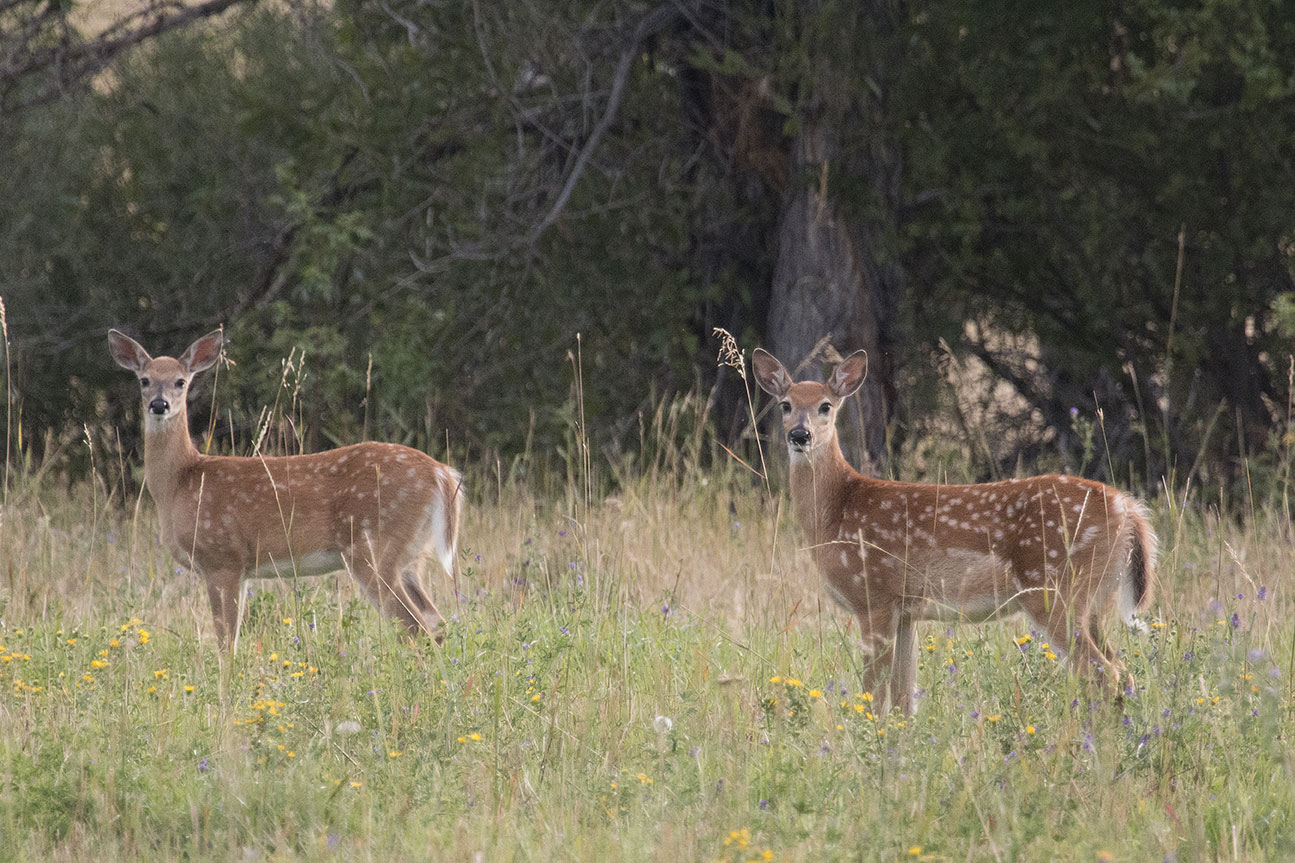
{"type": "Point", "coordinates": [533, 733]}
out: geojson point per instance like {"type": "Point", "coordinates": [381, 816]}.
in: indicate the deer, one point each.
{"type": "Point", "coordinates": [1060, 549]}
{"type": "Point", "coordinates": [375, 510]}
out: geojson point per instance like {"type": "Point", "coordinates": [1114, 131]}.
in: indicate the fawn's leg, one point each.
{"type": "Point", "coordinates": [877, 633]}
{"type": "Point", "coordinates": [433, 620]}
{"type": "Point", "coordinates": [1068, 626]}
{"type": "Point", "coordinates": [1119, 676]}
{"type": "Point", "coordinates": [222, 593]}
{"type": "Point", "coordinates": [386, 590]}
{"type": "Point", "coordinates": [904, 677]}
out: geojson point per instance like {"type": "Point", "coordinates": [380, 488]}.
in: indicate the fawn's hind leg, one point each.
{"type": "Point", "coordinates": [1072, 629]}
{"type": "Point", "coordinates": [386, 590]}
{"type": "Point", "coordinates": [432, 617]}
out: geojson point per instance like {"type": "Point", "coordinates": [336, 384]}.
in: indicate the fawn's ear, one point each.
{"type": "Point", "coordinates": [849, 375]}
{"type": "Point", "coordinates": [126, 352]}
{"type": "Point", "coordinates": [202, 354]}
{"type": "Point", "coordinates": [769, 373]}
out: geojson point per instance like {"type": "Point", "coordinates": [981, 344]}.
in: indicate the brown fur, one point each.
{"type": "Point", "coordinates": [374, 509]}
{"type": "Point", "coordinates": [1059, 548]}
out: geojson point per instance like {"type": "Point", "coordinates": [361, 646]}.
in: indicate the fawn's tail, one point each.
{"type": "Point", "coordinates": [1137, 583]}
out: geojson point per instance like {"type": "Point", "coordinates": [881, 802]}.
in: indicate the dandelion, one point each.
{"type": "Point", "coordinates": [188, 688]}
{"type": "Point", "coordinates": [915, 850]}
{"type": "Point", "coordinates": [1029, 729]}
{"type": "Point", "coordinates": [1105, 856]}
{"type": "Point", "coordinates": [663, 724]}
{"type": "Point", "coordinates": [995, 717]}
{"type": "Point", "coordinates": [394, 753]}
{"type": "Point", "coordinates": [816, 693]}
{"type": "Point", "coordinates": [777, 678]}
{"type": "Point", "coordinates": [474, 737]}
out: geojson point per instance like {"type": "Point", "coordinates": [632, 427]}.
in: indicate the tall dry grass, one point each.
{"type": "Point", "coordinates": [639, 663]}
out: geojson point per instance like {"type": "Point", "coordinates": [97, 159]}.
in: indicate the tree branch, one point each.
{"type": "Point", "coordinates": [71, 61]}
{"type": "Point", "coordinates": [652, 23]}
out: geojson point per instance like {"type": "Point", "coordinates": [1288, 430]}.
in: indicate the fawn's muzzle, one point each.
{"type": "Point", "coordinates": [159, 406]}
{"type": "Point", "coordinates": [798, 437]}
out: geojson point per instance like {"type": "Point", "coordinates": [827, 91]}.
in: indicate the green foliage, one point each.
{"type": "Point", "coordinates": [1058, 165]}
{"type": "Point", "coordinates": [360, 187]}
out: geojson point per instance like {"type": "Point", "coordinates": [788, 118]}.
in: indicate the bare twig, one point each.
{"type": "Point", "coordinates": [653, 22]}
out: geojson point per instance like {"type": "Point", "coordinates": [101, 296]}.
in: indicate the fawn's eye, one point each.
{"type": "Point", "coordinates": [143, 382]}
{"type": "Point", "coordinates": [824, 409]}
{"type": "Point", "coordinates": [786, 408]}
{"type": "Point", "coordinates": [179, 383]}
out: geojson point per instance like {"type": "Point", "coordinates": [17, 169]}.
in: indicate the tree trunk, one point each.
{"type": "Point", "coordinates": [830, 286]}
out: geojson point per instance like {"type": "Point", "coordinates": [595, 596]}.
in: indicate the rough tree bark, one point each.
{"type": "Point", "coordinates": [832, 284]}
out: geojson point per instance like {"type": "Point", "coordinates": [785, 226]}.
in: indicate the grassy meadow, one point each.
{"type": "Point", "coordinates": [651, 673]}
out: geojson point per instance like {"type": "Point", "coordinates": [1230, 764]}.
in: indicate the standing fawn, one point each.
{"type": "Point", "coordinates": [374, 509]}
{"type": "Point", "coordinates": [1058, 548]}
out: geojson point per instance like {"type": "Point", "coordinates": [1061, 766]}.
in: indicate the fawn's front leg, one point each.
{"type": "Point", "coordinates": [222, 593]}
{"type": "Point", "coordinates": [877, 629]}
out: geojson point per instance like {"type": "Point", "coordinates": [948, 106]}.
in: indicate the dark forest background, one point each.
{"type": "Point", "coordinates": [1063, 232]}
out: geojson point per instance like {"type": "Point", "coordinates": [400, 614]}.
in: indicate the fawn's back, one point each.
{"type": "Point", "coordinates": [299, 513]}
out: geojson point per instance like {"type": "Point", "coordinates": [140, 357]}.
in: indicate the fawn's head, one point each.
{"type": "Point", "coordinates": [809, 408]}
{"type": "Point", "coordinates": [164, 381]}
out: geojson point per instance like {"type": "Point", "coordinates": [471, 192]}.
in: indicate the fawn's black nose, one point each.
{"type": "Point", "coordinates": [159, 406]}
{"type": "Point", "coordinates": [798, 437]}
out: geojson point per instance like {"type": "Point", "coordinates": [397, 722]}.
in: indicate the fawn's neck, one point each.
{"type": "Point", "coordinates": [819, 486]}
{"type": "Point", "coordinates": [167, 452]}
